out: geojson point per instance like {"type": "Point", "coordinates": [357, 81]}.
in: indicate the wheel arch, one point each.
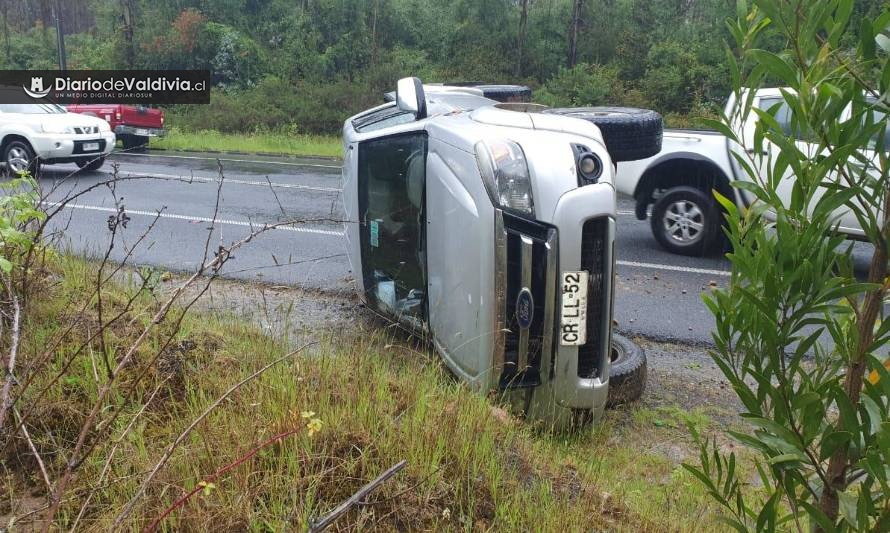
{"type": "Point", "coordinates": [11, 137]}
{"type": "Point", "coordinates": [679, 169]}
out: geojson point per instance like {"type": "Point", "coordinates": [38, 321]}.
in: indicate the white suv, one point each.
{"type": "Point", "coordinates": [45, 133]}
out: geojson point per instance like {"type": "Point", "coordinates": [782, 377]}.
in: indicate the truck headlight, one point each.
{"type": "Point", "coordinates": [50, 127]}
{"type": "Point", "coordinates": [505, 175]}
{"type": "Point", "coordinates": [104, 127]}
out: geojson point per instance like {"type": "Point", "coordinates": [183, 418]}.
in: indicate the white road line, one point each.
{"type": "Point", "coordinates": [230, 222]}
{"type": "Point", "coordinates": [204, 179]}
{"type": "Point", "coordinates": [675, 268]}
{"type": "Point", "coordinates": [298, 229]}
{"type": "Point", "coordinates": [623, 212]}
{"type": "Point", "coordinates": [288, 163]}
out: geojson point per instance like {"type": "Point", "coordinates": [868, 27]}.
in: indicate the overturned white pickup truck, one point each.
{"type": "Point", "coordinates": [489, 229]}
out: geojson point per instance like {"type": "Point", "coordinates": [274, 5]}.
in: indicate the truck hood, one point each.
{"type": "Point", "coordinates": [497, 116]}
{"type": "Point", "coordinates": [72, 120]}
{"type": "Point", "coordinates": [546, 140]}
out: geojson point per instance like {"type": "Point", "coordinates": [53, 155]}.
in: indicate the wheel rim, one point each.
{"type": "Point", "coordinates": [17, 159]}
{"type": "Point", "coordinates": [684, 222]}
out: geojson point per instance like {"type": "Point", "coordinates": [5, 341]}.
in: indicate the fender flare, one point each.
{"type": "Point", "coordinates": [669, 167]}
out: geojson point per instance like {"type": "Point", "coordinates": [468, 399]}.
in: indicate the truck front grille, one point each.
{"type": "Point", "coordinates": [530, 264]}
{"type": "Point", "coordinates": [594, 239]}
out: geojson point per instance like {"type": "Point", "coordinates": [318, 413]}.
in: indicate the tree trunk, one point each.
{"type": "Point", "coordinates": [520, 41]}
{"type": "Point", "coordinates": [6, 32]}
{"type": "Point", "coordinates": [573, 33]}
{"type": "Point", "coordinates": [129, 19]}
{"type": "Point", "coordinates": [374, 14]}
{"type": "Point", "coordinates": [839, 462]}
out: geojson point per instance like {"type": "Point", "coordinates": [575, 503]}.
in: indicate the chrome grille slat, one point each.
{"type": "Point", "coordinates": [525, 259]}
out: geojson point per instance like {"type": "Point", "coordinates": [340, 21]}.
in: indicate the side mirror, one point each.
{"type": "Point", "coordinates": [410, 97]}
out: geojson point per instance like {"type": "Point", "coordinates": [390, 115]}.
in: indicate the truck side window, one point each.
{"type": "Point", "coordinates": [785, 118]}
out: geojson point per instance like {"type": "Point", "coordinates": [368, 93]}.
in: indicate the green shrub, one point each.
{"type": "Point", "coordinates": [277, 106]}
{"type": "Point", "coordinates": [801, 338]}
{"type": "Point", "coordinates": [583, 85]}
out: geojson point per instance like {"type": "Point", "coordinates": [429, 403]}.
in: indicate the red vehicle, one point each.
{"type": "Point", "coordinates": [133, 125]}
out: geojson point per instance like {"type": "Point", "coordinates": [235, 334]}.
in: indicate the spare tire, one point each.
{"type": "Point", "coordinates": [505, 93]}
{"type": "Point", "coordinates": [627, 372]}
{"type": "Point", "coordinates": [630, 134]}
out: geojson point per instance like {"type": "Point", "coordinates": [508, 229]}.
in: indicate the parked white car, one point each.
{"type": "Point", "coordinates": [45, 133]}
{"type": "Point", "coordinates": [679, 181]}
{"type": "Point", "coordinates": [489, 228]}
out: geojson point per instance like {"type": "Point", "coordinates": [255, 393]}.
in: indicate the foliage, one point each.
{"type": "Point", "coordinates": [581, 86]}
{"type": "Point", "coordinates": [358, 404]}
{"type": "Point", "coordinates": [274, 105]}
{"type": "Point", "coordinates": [284, 142]}
{"type": "Point", "coordinates": [19, 209]}
{"type": "Point", "coordinates": [797, 328]}
{"type": "Point", "coordinates": [314, 46]}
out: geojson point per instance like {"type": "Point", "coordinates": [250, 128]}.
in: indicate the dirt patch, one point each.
{"type": "Point", "coordinates": [678, 375]}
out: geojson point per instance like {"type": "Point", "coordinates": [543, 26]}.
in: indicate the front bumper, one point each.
{"type": "Point", "coordinates": [556, 380]}
{"type": "Point", "coordinates": [64, 148]}
{"type": "Point", "coordinates": [140, 132]}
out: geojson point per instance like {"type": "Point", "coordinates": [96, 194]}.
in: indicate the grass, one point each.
{"type": "Point", "coordinates": [379, 401]}
{"type": "Point", "coordinates": [255, 143]}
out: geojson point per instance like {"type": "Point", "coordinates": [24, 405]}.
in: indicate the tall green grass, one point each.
{"type": "Point", "coordinates": [380, 400]}
{"type": "Point", "coordinates": [255, 143]}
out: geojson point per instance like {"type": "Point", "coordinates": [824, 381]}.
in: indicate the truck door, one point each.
{"type": "Point", "coordinates": [391, 212]}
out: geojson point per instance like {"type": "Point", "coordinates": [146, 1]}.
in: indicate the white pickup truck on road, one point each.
{"type": "Point", "coordinates": [679, 181]}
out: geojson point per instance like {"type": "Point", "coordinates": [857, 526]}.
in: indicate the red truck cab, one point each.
{"type": "Point", "coordinates": [133, 125]}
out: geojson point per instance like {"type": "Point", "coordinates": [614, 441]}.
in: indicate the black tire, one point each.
{"type": "Point", "coordinates": [505, 93]}
{"type": "Point", "coordinates": [134, 143]}
{"type": "Point", "coordinates": [686, 221]}
{"type": "Point", "coordinates": [500, 93]}
{"type": "Point", "coordinates": [19, 156]}
{"type": "Point", "coordinates": [91, 164]}
{"type": "Point", "coordinates": [627, 373]}
{"type": "Point", "coordinates": [630, 134]}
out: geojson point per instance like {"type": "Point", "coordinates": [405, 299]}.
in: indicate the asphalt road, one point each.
{"type": "Point", "coordinates": [658, 294]}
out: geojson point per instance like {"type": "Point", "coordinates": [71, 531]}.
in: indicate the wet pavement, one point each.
{"type": "Point", "coordinates": [658, 294]}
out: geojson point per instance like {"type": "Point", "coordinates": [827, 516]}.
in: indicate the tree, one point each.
{"type": "Point", "coordinates": [520, 39]}
{"type": "Point", "coordinates": [802, 339]}
{"type": "Point", "coordinates": [128, 21]}
{"type": "Point", "coordinates": [574, 28]}
{"type": "Point", "coordinates": [4, 12]}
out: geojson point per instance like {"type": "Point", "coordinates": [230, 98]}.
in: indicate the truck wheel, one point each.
{"type": "Point", "coordinates": [19, 157]}
{"type": "Point", "coordinates": [685, 221]}
{"type": "Point", "coordinates": [91, 164]}
{"type": "Point", "coordinates": [627, 372]}
{"type": "Point", "coordinates": [630, 134]}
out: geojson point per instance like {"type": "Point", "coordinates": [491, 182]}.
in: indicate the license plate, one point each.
{"type": "Point", "coordinates": [90, 147]}
{"type": "Point", "coordinates": [573, 323]}
{"type": "Point", "coordinates": [143, 133]}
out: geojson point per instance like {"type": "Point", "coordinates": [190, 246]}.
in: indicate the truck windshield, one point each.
{"type": "Point", "coordinates": [32, 109]}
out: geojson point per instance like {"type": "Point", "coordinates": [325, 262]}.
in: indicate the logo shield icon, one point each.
{"type": "Point", "coordinates": [36, 90]}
